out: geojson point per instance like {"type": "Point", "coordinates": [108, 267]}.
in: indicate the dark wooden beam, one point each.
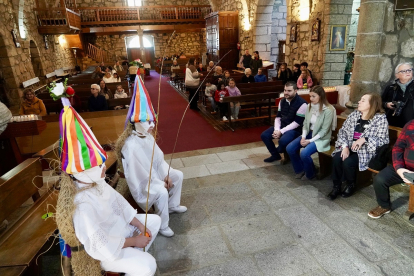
{"type": "Point", "coordinates": [145, 28]}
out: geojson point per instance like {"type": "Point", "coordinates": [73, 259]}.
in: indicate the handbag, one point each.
{"type": "Point", "coordinates": [381, 158]}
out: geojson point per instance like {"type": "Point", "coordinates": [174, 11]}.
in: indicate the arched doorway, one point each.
{"type": "Point", "coordinates": [35, 58]}
{"type": "Point", "coordinates": [134, 48]}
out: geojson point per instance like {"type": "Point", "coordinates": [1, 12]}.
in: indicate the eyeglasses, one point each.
{"type": "Point", "coordinates": [406, 71]}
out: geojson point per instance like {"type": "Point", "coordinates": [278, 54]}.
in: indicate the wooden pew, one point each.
{"type": "Point", "coordinates": [20, 244]}
{"type": "Point", "coordinates": [35, 85]}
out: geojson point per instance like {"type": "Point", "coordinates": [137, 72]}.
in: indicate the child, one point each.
{"type": "Point", "coordinates": [225, 80]}
{"type": "Point", "coordinates": [116, 77]}
{"type": "Point", "coordinates": [120, 94]}
{"type": "Point", "coordinates": [234, 106]}
{"type": "Point", "coordinates": [209, 92]}
{"type": "Point", "coordinates": [218, 97]}
{"type": "Point", "coordinates": [304, 81]}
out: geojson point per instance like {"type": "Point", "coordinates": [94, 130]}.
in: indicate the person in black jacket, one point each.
{"type": "Point", "coordinates": [247, 78]}
{"type": "Point", "coordinates": [97, 102]}
{"type": "Point", "coordinates": [255, 63]}
{"type": "Point", "coordinates": [402, 92]}
{"type": "Point", "coordinates": [296, 72]}
{"type": "Point", "coordinates": [284, 74]}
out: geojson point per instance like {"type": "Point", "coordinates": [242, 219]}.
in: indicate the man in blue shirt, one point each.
{"type": "Point", "coordinates": [260, 77]}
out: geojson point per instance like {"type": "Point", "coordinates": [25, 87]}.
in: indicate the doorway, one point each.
{"type": "Point", "coordinates": [35, 58]}
{"type": "Point", "coordinates": [134, 50]}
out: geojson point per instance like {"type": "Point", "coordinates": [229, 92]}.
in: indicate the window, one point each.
{"type": "Point", "coordinates": [134, 3]}
{"type": "Point", "coordinates": [134, 43]}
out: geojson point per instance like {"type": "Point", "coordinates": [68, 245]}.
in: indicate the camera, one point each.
{"type": "Point", "coordinates": [398, 108]}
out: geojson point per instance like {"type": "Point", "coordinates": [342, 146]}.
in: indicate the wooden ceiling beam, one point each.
{"type": "Point", "coordinates": [145, 28]}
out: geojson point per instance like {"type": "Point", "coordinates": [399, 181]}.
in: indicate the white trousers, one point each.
{"type": "Point", "coordinates": [167, 199]}
{"type": "Point", "coordinates": [134, 261]}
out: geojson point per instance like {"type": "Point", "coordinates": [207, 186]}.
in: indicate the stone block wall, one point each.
{"type": "Point", "coordinates": [278, 30]}
{"type": "Point", "coordinates": [15, 63]}
{"type": "Point", "coordinates": [120, 3]}
{"type": "Point", "coordinates": [263, 28]}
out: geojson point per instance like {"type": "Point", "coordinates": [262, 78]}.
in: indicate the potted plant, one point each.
{"type": "Point", "coordinates": [139, 64]}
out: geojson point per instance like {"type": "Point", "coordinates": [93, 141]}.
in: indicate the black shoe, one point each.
{"type": "Point", "coordinates": [272, 158]}
{"type": "Point", "coordinates": [336, 191]}
{"type": "Point", "coordinates": [349, 190]}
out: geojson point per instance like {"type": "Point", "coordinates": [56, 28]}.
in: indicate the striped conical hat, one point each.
{"type": "Point", "coordinates": [140, 109]}
{"type": "Point", "coordinates": [79, 148]}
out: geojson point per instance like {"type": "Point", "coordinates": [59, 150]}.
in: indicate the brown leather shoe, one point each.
{"type": "Point", "coordinates": [378, 212]}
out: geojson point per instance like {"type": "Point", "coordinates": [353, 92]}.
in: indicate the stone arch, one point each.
{"type": "Point", "coordinates": [8, 81]}
{"type": "Point", "coordinates": [38, 69]}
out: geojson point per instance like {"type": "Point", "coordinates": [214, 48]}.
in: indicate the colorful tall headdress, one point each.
{"type": "Point", "coordinates": [140, 109]}
{"type": "Point", "coordinates": [79, 148]}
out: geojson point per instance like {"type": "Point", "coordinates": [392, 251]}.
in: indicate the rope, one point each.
{"type": "Point", "coordinates": [155, 135]}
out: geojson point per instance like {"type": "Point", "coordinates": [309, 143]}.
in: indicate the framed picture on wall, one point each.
{"type": "Point", "coordinates": [337, 42]}
{"type": "Point", "coordinates": [316, 30]}
{"type": "Point", "coordinates": [293, 33]}
{"type": "Point", "coordinates": [14, 35]}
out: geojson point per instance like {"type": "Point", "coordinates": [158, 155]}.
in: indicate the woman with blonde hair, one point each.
{"type": "Point", "coordinates": [363, 132]}
{"type": "Point", "coordinates": [305, 80]}
{"type": "Point", "coordinates": [319, 121]}
{"type": "Point", "coordinates": [31, 104]}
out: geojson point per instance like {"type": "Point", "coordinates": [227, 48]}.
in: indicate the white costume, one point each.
{"type": "Point", "coordinates": [136, 160]}
{"type": "Point", "coordinates": [102, 222]}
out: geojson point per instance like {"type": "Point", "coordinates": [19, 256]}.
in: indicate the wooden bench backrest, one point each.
{"type": "Point", "coordinates": [18, 185]}
{"type": "Point", "coordinates": [393, 132]}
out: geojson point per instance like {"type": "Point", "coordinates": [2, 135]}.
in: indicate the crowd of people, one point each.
{"type": "Point", "coordinates": [303, 129]}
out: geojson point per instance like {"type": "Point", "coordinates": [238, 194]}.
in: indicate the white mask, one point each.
{"type": "Point", "coordinates": [92, 175]}
{"type": "Point", "coordinates": [144, 125]}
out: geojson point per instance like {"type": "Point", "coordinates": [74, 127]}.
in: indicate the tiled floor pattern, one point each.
{"type": "Point", "coordinates": [250, 218]}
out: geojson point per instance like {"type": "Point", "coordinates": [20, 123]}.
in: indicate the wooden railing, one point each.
{"type": "Point", "coordinates": [98, 54]}
{"type": "Point", "coordinates": [147, 13]}
{"type": "Point", "coordinates": [58, 17]}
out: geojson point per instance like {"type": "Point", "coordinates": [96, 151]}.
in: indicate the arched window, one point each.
{"type": "Point", "coordinates": [134, 43]}
{"type": "Point", "coordinates": [134, 3]}
{"type": "Point", "coordinates": [22, 28]}
{"type": "Point", "coordinates": [148, 42]}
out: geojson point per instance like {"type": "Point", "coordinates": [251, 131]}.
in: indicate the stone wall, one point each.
{"type": "Point", "coordinates": [15, 63]}
{"type": "Point", "coordinates": [263, 28]}
{"type": "Point", "coordinates": [278, 30]}
{"type": "Point", "coordinates": [120, 3]}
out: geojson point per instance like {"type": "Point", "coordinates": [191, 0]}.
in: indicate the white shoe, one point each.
{"type": "Point", "coordinates": [178, 209]}
{"type": "Point", "coordinates": [232, 117]}
{"type": "Point", "coordinates": [225, 118]}
{"type": "Point", "coordinates": [167, 232]}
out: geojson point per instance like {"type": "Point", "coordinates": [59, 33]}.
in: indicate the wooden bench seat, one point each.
{"type": "Point", "coordinates": [12, 270]}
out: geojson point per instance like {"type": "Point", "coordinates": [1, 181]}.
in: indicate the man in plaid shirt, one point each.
{"type": "Point", "coordinates": [402, 162]}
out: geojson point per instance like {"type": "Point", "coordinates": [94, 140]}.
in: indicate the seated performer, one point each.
{"type": "Point", "coordinates": [101, 228]}
{"type": "Point", "coordinates": [135, 150]}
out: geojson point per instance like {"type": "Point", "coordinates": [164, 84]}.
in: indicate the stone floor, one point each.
{"type": "Point", "coordinates": [246, 217]}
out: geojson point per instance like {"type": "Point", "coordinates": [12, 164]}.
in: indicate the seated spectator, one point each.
{"type": "Point", "coordinates": [255, 63]}
{"type": "Point", "coordinates": [316, 134]}
{"type": "Point", "coordinates": [76, 103]}
{"type": "Point", "coordinates": [401, 90]}
{"type": "Point", "coordinates": [120, 94]}
{"type": "Point", "coordinates": [97, 74]}
{"type": "Point", "coordinates": [234, 106]}
{"type": "Point", "coordinates": [296, 72]}
{"type": "Point", "coordinates": [118, 67]}
{"type": "Point", "coordinates": [260, 77]}
{"type": "Point", "coordinates": [210, 66]}
{"type": "Point", "coordinates": [304, 81]}
{"type": "Point", "coordinates": [226, 78]}
{"type": "Point", "coordinates": [201, 68]}
{"type": "Point", "coordinates": [284, 75]}
{"type": "Point", "coordinates": [288, 122]}
{"type": "Point", "coordinates": [116, 77]}
{"type": "Point", "coordinates": [174, 66]}
{"type": "Point", "coordinates": [245, 59]}
{"type": "Point", "coordinates": [31, 104]}
{"type": "Point", "coordinates": [247, 78]}
{"type": "Point", "coordinates": [287, 68]}
{"type": "Point", "coordinates": [363, 132]}
{"type": "Point", "coordinates": [108, 78]}
{"type": "Point", "coordinates": [97, 101]}
{"type": "Point", "coordinates": [218, 75]}
{"type": "Point", "coordinates": [182, 55]}
{"type": "Point", "coordinates": [402, 162]}
{"type": "Point", "coordinates": [304, 66]}
{"type": "Point", "coordinates": [209, 92]}
{"type": "Point", "coordinates": [103, 67]}
{"type": "Point", "coordinates": [105, 91]}
{"type": "Point", "coordinates": [218, 97]}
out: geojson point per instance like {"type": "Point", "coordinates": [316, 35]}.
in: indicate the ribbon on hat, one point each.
{"type": "Point", "coordinates": [140, 109]}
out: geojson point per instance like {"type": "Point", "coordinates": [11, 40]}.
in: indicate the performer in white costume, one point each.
{"type": "Point", "coordinates": [135, 148]}
{"type": "Point", "coordinates": [102, 229]}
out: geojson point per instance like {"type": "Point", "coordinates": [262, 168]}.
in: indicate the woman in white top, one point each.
{"type": "Point", "coordinates": [108, 78]}
{"type": "Point", "coordinates": [316, 134]}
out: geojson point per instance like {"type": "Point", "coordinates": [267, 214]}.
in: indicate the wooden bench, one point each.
{"type": "Point", "coordinates": [20, 244]}
{"type": "Point", "coordinates": [35, 85]}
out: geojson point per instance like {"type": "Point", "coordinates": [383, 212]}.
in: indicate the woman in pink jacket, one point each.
{"type": "Point", "coordinates": [304, 79]}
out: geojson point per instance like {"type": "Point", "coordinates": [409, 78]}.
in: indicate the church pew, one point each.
{"type": "Point", "coordinates": [259, 84]}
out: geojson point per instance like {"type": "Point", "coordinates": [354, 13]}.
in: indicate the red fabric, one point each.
{"type": "Point", "coordinates": [218, 92]}
{"type": "Point", "coordinates": [402, 152]}
{"type": "Point", "coordinates": [196, 133]}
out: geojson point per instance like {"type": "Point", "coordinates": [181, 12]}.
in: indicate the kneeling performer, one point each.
{"type": "Point", "coordinates": [135, 149]}
{"type": "Point", "coordinates": [102, 229]}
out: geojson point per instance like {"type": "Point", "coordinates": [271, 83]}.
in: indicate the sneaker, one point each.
{"type": "Point", "coordinates": [299, 175]}
{"type": "Point", "coordinates": [304, 177]}
{"type": "Point", "coordinates": [225, 118]}
{"type": "Point", "coordinates": [272, 159]}
{"type": "Point", "coordinates": [167, 232]}
{"type": "Point", "coordinates": [213, 112]}
{"type": "Point", "coordinates": [178, 209]}
{"type": "Point", "coordinates": [378, 212]}
{"type": "Point", "coordinates": [232, 117]}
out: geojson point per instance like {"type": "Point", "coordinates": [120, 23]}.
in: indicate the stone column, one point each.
{"type": "Point", "coordinates": [365, 75]}
{"type": "Point", "coordinates": [141, 45]}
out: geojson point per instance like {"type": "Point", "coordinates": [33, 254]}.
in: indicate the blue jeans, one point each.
{"type": "Point", "coordinates": [286, 138]}
{"type": "Point", "coordinates": [302, 162]}
{"type": "Point", "coordinates": [213, 103]}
